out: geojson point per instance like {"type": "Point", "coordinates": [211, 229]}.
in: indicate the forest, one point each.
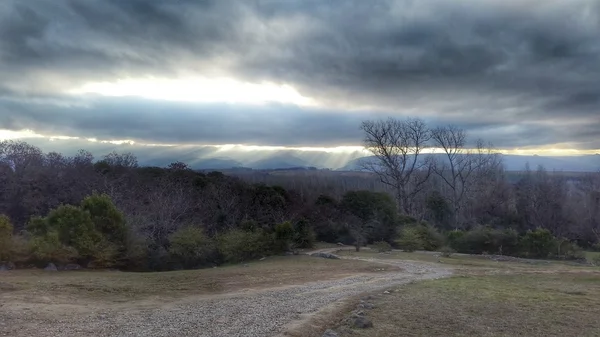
{"type": "Point", "coordinates": [109, 212]}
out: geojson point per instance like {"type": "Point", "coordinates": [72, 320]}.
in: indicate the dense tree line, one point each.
{"type": "Point", "coordinates": [112, 212]}
{"type": "Point", "coordinates": [465, 185]}
{"type": "Point", "coordinates": [109, 211]}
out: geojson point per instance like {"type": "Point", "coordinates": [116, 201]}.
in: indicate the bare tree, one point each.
{"type": "Point", "coordinates": [460, 164]}
{"type": "Point", "coordinates": [397, 146]}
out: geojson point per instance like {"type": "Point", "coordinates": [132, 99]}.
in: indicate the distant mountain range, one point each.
{"type": "Point", "coordinates": [282, 161]}
{"type": "Point", "coordinates": [587, 163]}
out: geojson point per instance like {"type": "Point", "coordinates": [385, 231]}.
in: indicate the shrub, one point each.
{"type": "Point", "coordinates": [569, 250]}
{"type": "Point", "coordinates": [447, 251]}
{"type": "Point", "coordinates": [304, 236]}
{"type": "Point", "coordinates": [48, 248]}
{"type": "Point", "coordinates": [539, 243]}
{"type": "Point", "coordinates": [432, 239]}
{"type": "Point", "coordinates": [505, 242]}
{"type": "Point", "coordinates": [104, 255]}
{"type": "Point", "coordinates": [136, 253]}
{"type": "Point", "coordinates": [75, 228]}
{"type": "Point", "coordinates": [237, 245]}
{"type": "Point", "coordinates": [595, 260]}
{"type": "Point", "coordinates": [382, 246]}
{"type": "Point", "coordinates": [454, 238]}
{"type": "Point", "coordinates": [106, 218]}
{"type": "Point", "coordinates": [6, 232]}
{"type": "Point", "coordinates": [284, 236]}
{"type": "Point", "coordinates": [37, 226]}
{"type": "Point", "coordinates": [191, 248]}
{"type": "Point", "coordinates": [409, 240]}
{"type": "Point", "coordinates": [20, 250]}
{"type": "Point", "coordinates": [478, 240]}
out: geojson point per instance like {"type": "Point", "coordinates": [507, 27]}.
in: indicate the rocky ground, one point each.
{"type": "Point", "coordinates": [248, 314]}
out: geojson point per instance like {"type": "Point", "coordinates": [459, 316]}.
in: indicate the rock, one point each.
{"type": "Point", "coordinates": [386, 292]}
{"type": "Point", "coordinates": [3, 268]}
{"type": "Point", "coordinates": [361, 322]}
{"type": "Point", "coordinates": [357, 313]}
{"type": "Point", "coordinates": [11, 266]}
{"type": "Point", "coordinates": [51, 267]}
{"type": "Point", "coordinates": [366, 305]}
{"type": "Point", "coordinates": [325, 255]}
{"type": "Point", "coordinates": [330, 333]}
{"type": "Point", "coordinates": [72, 266]}
{"type": "Point", "coordinates": [340, 244]}
{"type": "Point", "coordinates": [262, 259]}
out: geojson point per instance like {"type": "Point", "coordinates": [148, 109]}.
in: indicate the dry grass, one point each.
{"type": "Point", "coordinates": [489, 298]}
{"type": "Point", "coordinates": [115, 287]}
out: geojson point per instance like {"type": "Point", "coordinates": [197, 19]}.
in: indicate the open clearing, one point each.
{"type": "Point", "coordinates": [263, 298]}
{"type": "Point", "coordinates": [489, 298]}
{"type": "Point", "coordinates": [459, 296]}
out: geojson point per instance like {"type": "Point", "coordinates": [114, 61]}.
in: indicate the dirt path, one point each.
{"type": "Point", "coordinates": [258, 313]}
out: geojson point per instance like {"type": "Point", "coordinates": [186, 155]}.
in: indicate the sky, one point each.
{"type": "Point", "coordinates": [224, 77]}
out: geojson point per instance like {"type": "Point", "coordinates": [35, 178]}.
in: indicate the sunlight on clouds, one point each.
{"type": "Point", "coordinates": [197, 90]}
{"type": "Point", "coordinates": [337, 149]}
{"type": "Point", "coordinates": [257, 152]}
{"type": "Point", "coordinates": [12, 135]}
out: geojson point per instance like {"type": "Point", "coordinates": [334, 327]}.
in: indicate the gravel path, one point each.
{"type": "Point", "coordinates": [260, 314]}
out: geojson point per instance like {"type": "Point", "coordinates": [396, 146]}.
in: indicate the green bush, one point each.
{"type": "Point", "coordinates": [409, 240]}
{"type": "Point", "coordinates": [539, 243]}
{"type": "Point", "coordinates": [569, 250]}
{"type": "Point", "coordinates": [105, 255]}
{"type": "Point", "coordinates": [432, 239]}
{"type": "Point", "coordinates": [6, 234]}
{"type": "Point", "coordinates": [96, 231]}
{"type": "Point", "coordinates": [20, 250]}
{"type": "Point", "coordinates": [191, 248]}
{"type": "Point", "coordinates": [107, 219]}
{"type": "Point", "coordinates": [454, 238]}
{"type": "Point", "coordinates": [595, 260]}
{"type": "Point", "coordinates": [284, 236]}
{"type": "Point", "coordinates": [48, 248]}
{"type": "Point", "coordinates": [75, 228]}
{"type": "Point", "coordinates": [304, 236]}
{"type": "Point", "coordinates": [382, 246]}
{"type": "Point", "coordinates": [505, 242]}
{"type": "Point", "coordinates": [238, 246]}
{"type": "Point", "coordinates": [37, 226]}
{"type": "Point", "coordinates": [478, 240]}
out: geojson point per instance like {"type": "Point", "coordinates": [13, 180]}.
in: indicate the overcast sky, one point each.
{"type": "Point", "coordinates": [521, 74]}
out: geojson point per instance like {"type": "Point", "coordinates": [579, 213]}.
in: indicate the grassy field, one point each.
{"type": "Point", "coordinates": [114, 286]}
{"type": "Point", "coordinates": [489, 298]}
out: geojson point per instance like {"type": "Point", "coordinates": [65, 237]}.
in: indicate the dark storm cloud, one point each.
{"type": "Point", "coordinates": [180, 123]}
{"type": "Point", "coordinates": [519, 72]}
{"type": "Point", "coordinates": [162, 122]}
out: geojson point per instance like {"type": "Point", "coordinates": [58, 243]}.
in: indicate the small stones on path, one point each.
{"type": "Point", "coordinates": [366, 305]}
{"type": "Point", "coordinates": [330, 333]}
{"type": "Point", "coordinates": [261, 313]}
